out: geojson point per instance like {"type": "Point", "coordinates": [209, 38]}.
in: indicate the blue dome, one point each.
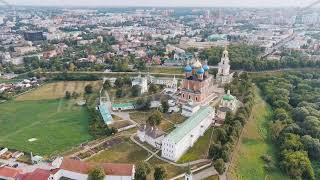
{"type": "Point", "coordinates": [187, 69]}
{"type": "Point", "coordinates": [200, 71]}
{"type": "Point", "coordinates": [206, 67]}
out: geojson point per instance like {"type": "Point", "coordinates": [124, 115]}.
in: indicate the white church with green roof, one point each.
{"type": "Point", "coordinates": [175, 144]}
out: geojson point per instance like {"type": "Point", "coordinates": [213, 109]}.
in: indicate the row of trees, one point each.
{"type": "Point", "coordinates": [144, 169]}
{"type": "Point", "coordinates": [245, 57]}
{"type": "Point", "coordinates": [226, 136]}
{"type": "Point", "coordinates": [295, 125]}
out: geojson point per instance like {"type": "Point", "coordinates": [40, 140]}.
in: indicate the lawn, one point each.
{"type": "Point", "coordinates": [125, 152]}
{"type": "Point", "coordinates": [199, 150]}
{"type": "Point", "coordinates": [247, 163]}
{"type": "Point", "coordinates": [57, 90]}
{"type": "Point", "coordinates": [140, 117]}
{"type": "Point", "coordinates": [57, 125]}
{"type": "Point", "coordinates": [171, 170]}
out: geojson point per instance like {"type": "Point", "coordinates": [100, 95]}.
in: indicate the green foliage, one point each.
{"type": "Point", "coordinates": [159, 173]}
{"type": "Point", "coordinates": [96, 174]}
{"type": "Point", "coordinates": [88, 89]}
{"type": "Point", "coordinates": [297, 164]}
{"type": "Point", "coordinates": [227, 135]}
{"type": "Point", "coordinates": [219, 165]}
{"type": "Point", "coordinates": [296, 125]}
{"type": "Point", "coordinates": [153, 88]}
{"type": "Point", "coordinates": [107, 85]}
{"type": "Point", "coordinates": [143, 169]}
{"type": "Point", "coordinates": [155, 119]}
{"type": "Point", "coordinates": [68, 95]}
{"type": "Point", "coordinates": [135, 91]}
{"type": "Point", "coordinates": [165, 106]}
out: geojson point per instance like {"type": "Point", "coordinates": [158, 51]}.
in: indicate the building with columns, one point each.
{"type": "Point", "coordinates": [224, 76]}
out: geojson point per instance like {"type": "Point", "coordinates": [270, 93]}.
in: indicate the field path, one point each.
{"type": "Point", "coordinates": [246, 162]}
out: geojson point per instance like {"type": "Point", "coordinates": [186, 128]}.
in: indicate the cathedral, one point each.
{"type": "Point", "coordinates": [197, 85]}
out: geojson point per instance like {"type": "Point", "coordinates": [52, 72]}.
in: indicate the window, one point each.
{"type": "Point", "coordinates": [189, 97]}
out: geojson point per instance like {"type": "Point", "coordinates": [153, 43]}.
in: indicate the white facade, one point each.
{"type": "Point", "coordinates": [142, 82]}
{"type": "Point", "coordinates": [223, 75]}
{"type": "Point", "coordinates": [182, 138]}
{"type": "Point", "coordinates": [150, 137]}
{"type": "Point", "coordinates": [79, 176]}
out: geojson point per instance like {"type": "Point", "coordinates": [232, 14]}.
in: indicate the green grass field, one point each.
{"type": "Point", "coordinates": [125, 152]}
{"type": "Point", "coordinates": [57, 90]}
{"type": "Point", "coordinates": [247, 163]}
{"type": "Point", "coordinates": [199, 150]}
{"type": "Point", "coordinates": [57, 125]}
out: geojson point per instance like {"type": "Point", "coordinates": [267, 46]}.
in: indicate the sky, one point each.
{"type": "Point", "coordinates": [173, 3]}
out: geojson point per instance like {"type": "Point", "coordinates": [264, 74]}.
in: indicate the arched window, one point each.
{"type": "Point", "coordinates": [196, 98]}
{"type": "Point", "coordinates": [189, 97]}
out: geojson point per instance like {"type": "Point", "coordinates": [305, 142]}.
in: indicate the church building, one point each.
{"type": "Point", "coordinates": [197, 86]}
{"type": "Point", "coordinates": [224, 76]}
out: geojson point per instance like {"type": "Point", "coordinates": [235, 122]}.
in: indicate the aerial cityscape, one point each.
{"type": "Point", "coordinates": [159, 90]}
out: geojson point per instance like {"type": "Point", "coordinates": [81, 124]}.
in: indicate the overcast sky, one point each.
{"type": "Point", "coordinates": [184, 3]}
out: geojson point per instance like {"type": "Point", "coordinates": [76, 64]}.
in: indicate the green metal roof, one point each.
{"type": "Point", "coordinates": [122, 105]}
{"type": "Point", "coordinates": [228, 97]}
{"type": "Point", "coordinates": [180, 132]}
{"type": "Point", "coordinates": [106, 116]}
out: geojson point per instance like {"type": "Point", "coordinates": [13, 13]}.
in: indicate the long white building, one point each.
{"type": "Point", "coordinates": [175, 144]}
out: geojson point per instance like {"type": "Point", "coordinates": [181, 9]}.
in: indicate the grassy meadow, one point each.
{"type": "Point", "coordinates": [247, 163]}
{"type": "Point", "coordinates": [57, 90]}
{"type": "Point", "coordinates": [54, 123]}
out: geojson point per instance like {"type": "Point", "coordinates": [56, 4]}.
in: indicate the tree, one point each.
{"type": "Point", "coordinates": [275, 129]}
{"type": "Point", "coordinates": [280, 114]}
{"type": "Point", "coordinates": [135, 91]}
{"type": "Point", "coordinates": [311, 126]}
{"type": "Point", "coordinates": [300, 113]}
{"type": "Point", "coordinates": [153, 88]}
{"type": "Point", "coordinates": [96, 174]}
{"type": "Point", "coordinates": [120, 93]}
{"type": "Point", "coordinates": [219, 165]}
{"type": "Point", "coordinates": [119, 82]}
{"type": "Point", "coordinates": [312, 145]}
{"type": "Point", "coordinates": [159, 173]}
{"type": "Point", "coordinates": [297, 164]}
{"type": "Point", "coordinates": [107, 84]}
{"type": "Point", "coordinates": [88, 89]}
{"type": "Point", "coordinates": [68, 95]}
{"type": "Point", "coordinates": [165, 106]}
{"type": "Point", "coordinates": [291, 142]}
{"type": "Point", "coordinates": [155, 119]}
{"type": "Point", "coordinates": [142, 171]}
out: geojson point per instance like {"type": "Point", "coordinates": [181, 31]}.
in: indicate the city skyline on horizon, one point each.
{"type": "Point", "coordinates": [159, 3]}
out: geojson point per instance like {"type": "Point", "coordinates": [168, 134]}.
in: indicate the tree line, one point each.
{"type": "Point", "coordinates": [295, 125]}
{"type": "Point", "coordinates": [246, 57]}
{"type": "Point", "coordinates": [227, 135]}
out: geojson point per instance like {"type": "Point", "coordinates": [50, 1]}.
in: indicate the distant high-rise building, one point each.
{"type": "Point", "coordinates": [34, 36]}
{"type": "Point", "coordinates": [1, 20]}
